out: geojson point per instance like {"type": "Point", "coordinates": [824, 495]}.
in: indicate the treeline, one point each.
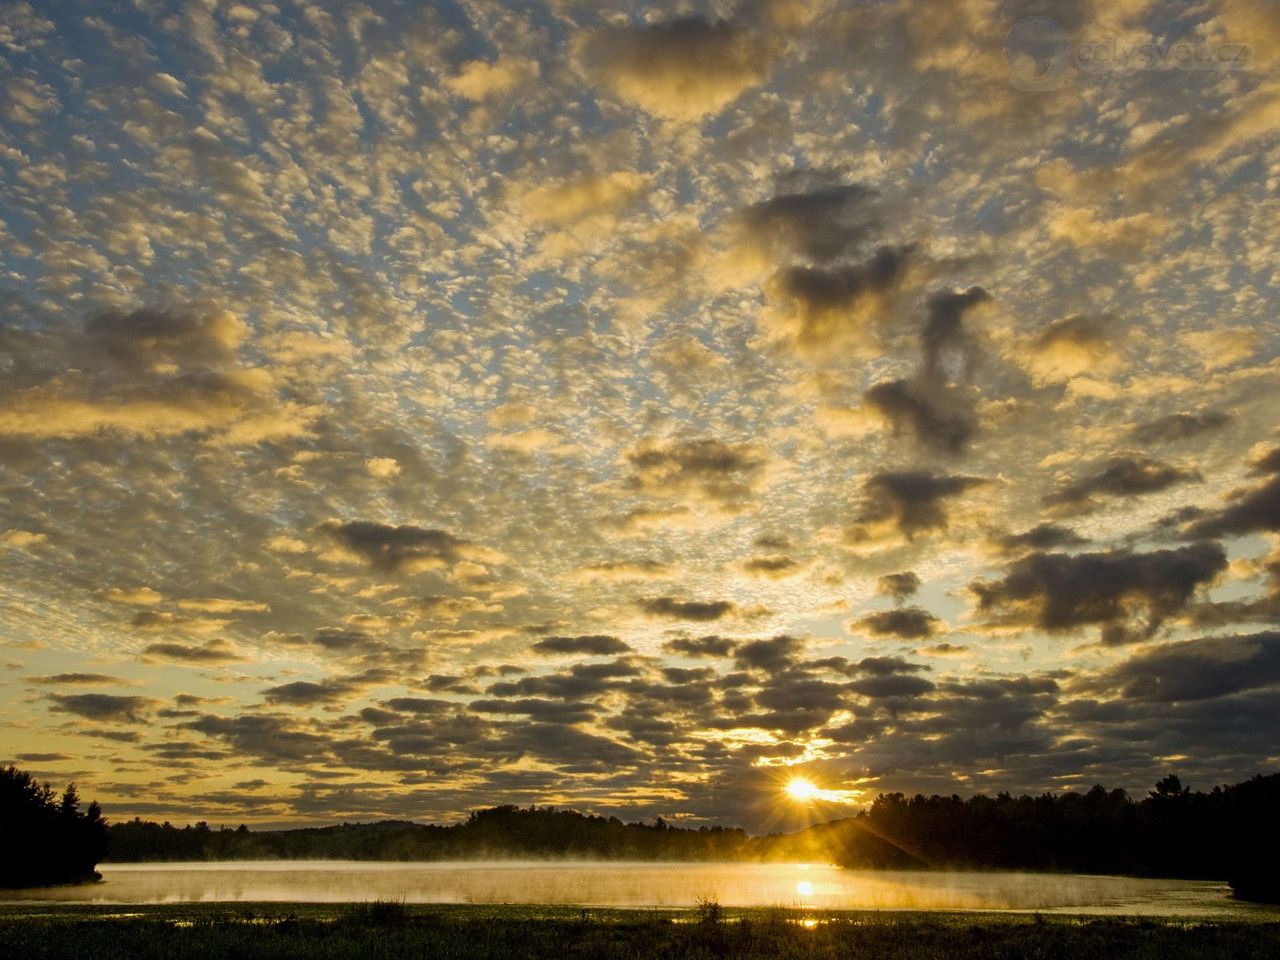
{"type": "Point", "coordinates": [47, 839]}
{"type": "Point", "coordinates": [1230, 833]}
{"type": "Point", "coordinates": [505, 832]}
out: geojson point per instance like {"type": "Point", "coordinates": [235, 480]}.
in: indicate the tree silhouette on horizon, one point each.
{"type": "Point", "coordinates": [47, 839]}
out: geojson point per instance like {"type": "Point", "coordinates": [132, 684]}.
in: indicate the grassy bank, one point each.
{"type": "Point", "coordinates": [375, 931]}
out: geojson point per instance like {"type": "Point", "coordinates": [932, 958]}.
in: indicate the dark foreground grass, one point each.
{"type": "Point", "coordinates": [373, 931]}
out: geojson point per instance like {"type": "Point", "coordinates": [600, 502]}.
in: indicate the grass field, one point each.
{"type": "Point", "coordinates": [390, 930]}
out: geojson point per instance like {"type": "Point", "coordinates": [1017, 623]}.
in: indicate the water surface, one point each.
{"type": "Point", "coordinates": [612, 884]}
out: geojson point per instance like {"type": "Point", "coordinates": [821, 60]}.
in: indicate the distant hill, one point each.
{"type": "Point", "coordinates": [1229, 833]}
{"type": "Point", "coordinates": [505, 832]}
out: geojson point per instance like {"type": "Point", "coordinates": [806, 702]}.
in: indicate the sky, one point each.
{"type": "Point", "coordinates": [408, 408]}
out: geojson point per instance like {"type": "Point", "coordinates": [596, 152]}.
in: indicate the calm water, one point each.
{"type": "Point", "coordinates": [644, 885]}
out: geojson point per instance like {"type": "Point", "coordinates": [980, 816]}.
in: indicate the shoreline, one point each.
{"type": "Point", "coordinates": [495, 932]}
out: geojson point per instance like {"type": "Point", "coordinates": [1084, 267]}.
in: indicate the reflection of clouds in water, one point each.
{"type": "Point", "coordinates": [670, 885]}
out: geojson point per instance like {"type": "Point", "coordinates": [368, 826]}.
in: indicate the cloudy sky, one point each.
{"type": "Point", "coordinates": [407, 408]}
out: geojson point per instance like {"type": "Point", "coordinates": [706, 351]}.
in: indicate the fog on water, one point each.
{"type": "Point", "coordinates": [657, 885]}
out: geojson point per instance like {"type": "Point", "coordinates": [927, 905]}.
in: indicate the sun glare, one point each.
{"type": "Point", "coordinates": [798, 788]}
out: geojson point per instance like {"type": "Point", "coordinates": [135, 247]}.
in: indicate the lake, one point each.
{"type": "Point", "coordinates": [681, 885]}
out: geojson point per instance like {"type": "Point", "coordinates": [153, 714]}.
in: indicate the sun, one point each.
{"type": "Point", "coordinates": [798, 788]}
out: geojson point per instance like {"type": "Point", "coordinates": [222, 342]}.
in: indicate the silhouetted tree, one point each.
{"type": "Point", "coordinates": [46, 840]}
{"type": "Point", "coordinates": [1230, 833]}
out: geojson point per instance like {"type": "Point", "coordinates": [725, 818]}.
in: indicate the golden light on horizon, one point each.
{"type": "Point", "coordinates": [802, 789]}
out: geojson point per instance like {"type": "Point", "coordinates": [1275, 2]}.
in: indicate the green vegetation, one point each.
{"type": "Point", "coordinates": [463, 933]}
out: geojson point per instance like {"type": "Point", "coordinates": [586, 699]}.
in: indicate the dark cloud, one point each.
{"type": "Point", "coordinates": [305, 693]}
{"type": "Point", "coordinates": [1196, 669]}
{"type": "Point", "coordinates": [892, 686]}
{"type": "Point", "coordinates": [673, 609]}
{"type": "Point", "coordinates": [595, 645]}
{"type": "Point", "coordinates": [148, 372]}
{"type": "Point", "coordinates": [708, 469]}
{"type": "Point", "coordinates": [775, 565]}
{"type": "Point", "coordinates": [942, 650]}
{"type": "Point", "coordinates": [687, 675]}
{"type": "Point", "coordinates": [1125, 738]}
{"type": "Point", "coordinates": [59, 679]}
{"type": "Point", "coordinates": [1268, 462]}
{"type": "Point", "coordinates": [448, 683]}
{"type": "Point", "coordinates": [819, 222]}
{"type": "Point", "coordinates": [944, 331]}
{"type": "Point", "coordinates": [933, 404]}
{"type": "Point", "coordinates": [653, 730]}
{"type": "Point", "coordinates": [800, 694]}
{"type": "Point", "coordinates": [885, 666]}
{"type": "Point", "coordinates": [1003, 704]}
{"type": "Point", "coordinates": [117, 736]}
{"type": "Point", "coordinates": [183, 751]}
{"type": "Point", "coordinates": [1090, 333]}
{"type": "Point", "coordinates": [682, 69]}
{"type": "Point", "coordinates": [573, 749]}
{"type": "Point", "coordinates": [214, 651]}
{"type": "Point", "coordinates": [148, 339]}
{"type": "Point", "coordinates": [1115, 590]}
{"type": "Point", "coordinates": [1179, 426]}
{"type": "Point", "coordinates": [772, 655]}
{"type": "Point", "coordinates": [900, 586]}
{"type": "Point", "coordinates": [910, 623]}
{"type": "Point", "coordinates": [1125, 476]}
{"type": "Point", "coordinates": [1040, 538]}
{"type": "Point", "coordinates": [357, 648]}
{"type": "Point", "coordinates": [536, 708]}
{"type": "Point", "coordinates": [269, 737]}
{"type": "Point", "coordinates": [1249, 510]}
{"type": "Point", "coordinates": [391, 548]}
{"type": "Point", "coordinates": [935, 416]}
{"type": "Point", "coordinates": [825, 299]}
{"type": "Point", "coordinates": [710, 646]}
{"type": "Point", "coordinates": [418, 705]}
{"type": "Point", "coordinates": [913, 501]}
{"type": "Point", "coordinates": [105, 706]}
{"type": "Point", "coordinates": [329, 690]}
{"type": "Point", "coordinates": [582, 680]}
{"type": "Point", "coordinates": [342, 640]}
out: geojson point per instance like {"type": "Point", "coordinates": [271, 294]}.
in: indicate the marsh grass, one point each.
{"type": "Point", "coordinates": [393, 930]}
{"type": "Point", "coordinates": [377, 913]}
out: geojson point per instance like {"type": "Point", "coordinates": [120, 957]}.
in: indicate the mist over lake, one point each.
{"type": "Point", "coordinates": [599, 884]}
